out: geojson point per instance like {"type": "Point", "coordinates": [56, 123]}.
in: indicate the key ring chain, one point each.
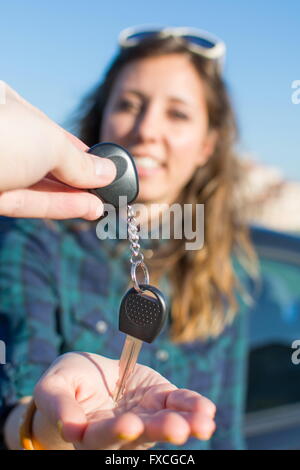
{"type": "Point", "coordinates": [137, 258]}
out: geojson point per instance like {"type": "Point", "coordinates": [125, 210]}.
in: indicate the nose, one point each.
{"type": "Point", "coordinates": [148, 125]}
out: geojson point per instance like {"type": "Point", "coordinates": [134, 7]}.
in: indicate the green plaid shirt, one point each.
{"type": "Point", "coordinates": [60, 291]}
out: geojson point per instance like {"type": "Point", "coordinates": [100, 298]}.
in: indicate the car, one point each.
{"type": "Point", "coordinates": [272, 419]}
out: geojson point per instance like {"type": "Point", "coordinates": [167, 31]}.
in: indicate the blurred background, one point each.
{"type": "Point", "coordinates": [53, 52]}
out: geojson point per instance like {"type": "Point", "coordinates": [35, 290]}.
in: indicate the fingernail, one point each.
{"type": "Point", "coordinates": [104, 167]}
{"type": "Point", "coordinates": [127, 437]}
{"type": "Point", "coordinates": [99, 211]}
{"type": "Point", "coordinates": [202, 437]}
{"type": "Point", "coordinates": [174, 441]}
{"type": "Point", "coordinates": [59, 425]}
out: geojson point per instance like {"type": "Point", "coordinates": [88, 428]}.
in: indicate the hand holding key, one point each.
{"type": "Point", "coordinates": [77, 390]}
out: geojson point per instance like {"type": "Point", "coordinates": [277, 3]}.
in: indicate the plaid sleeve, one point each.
{"type": "Point", "coordinates": [28, 305]}
{"type": "Point", "coordinates": [231, 400]}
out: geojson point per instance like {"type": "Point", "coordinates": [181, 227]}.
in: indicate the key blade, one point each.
{"type": "Point", "coordinates": [128, 359]}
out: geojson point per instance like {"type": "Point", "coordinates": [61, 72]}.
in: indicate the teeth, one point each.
{"type": "Point", "coordinates": [146, 162]}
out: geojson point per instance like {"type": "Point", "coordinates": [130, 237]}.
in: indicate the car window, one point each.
{"type": "Point", "coordinates": [274, 323]}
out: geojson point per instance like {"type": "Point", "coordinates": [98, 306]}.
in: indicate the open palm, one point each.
{"type": "Point", "coordinates": [78, 388]}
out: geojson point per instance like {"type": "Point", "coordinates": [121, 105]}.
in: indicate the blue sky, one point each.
{"type": "Point", "coordinates": [52, 52]}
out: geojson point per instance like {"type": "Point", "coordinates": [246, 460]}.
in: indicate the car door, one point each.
{"type": "Point", "coordinates": [273, 398]}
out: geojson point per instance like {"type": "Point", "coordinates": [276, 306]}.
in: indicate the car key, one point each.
{"type": "Point", "coordinates": [126, 182]}
{"type": "Point", "coordinates": [142, 318]}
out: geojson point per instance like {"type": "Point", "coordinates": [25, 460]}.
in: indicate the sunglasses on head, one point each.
{"type": "Point", "coordinates": [198, 41]}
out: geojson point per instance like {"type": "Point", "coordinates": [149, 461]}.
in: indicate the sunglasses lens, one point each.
{"type": "Point", "coordinates": [190, 38]}
{"type": "Point", "coordinates": [198, 41]}
{"type": "Point", "coordinates": [141, 35]}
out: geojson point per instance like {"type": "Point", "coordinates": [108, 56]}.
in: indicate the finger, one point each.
{"type": "Point", "coordinates": [188, 400]}
{"type": "Point", "coordinates": [106, 432]}
{"type": "Point", "coordinates": [80, 169]}
{"type": "Point", "coordinates": [10, 92]}
{"type": "Point", "coordinates": [201, 426]}
{"type": "Point", "coordinates": [77, 142]}
{"type": "Point", "coordinates": [166, 426]}
{"type": "Point", "coordinates": [42, 146]}
{"type": "Point", "coordinates": [56, 400]}
{"type": "Point", "coordinates": [50, 199]}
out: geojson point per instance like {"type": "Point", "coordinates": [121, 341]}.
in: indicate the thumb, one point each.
{"type": "Point", "coordinates": [55, 399]}
{"type": "Point", "coordinates": [80, 169]}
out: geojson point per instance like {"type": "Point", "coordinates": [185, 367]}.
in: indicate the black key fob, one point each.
{"type": "Point", "coordinates": [142, 316]}
{"type": "Point", "coordinates": [126, 182]}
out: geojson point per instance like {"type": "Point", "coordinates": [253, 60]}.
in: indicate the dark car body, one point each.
{"type": "Point", "coordinates": [273, 400]}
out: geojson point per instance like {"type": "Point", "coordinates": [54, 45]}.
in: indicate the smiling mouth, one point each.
{"type": "Point", "coordinates": [147, 162]}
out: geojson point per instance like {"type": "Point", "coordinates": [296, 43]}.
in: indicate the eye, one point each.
{"type": "Point", "coordinates": [127, 105]}
{"type": "Point", "coordinates": [175, 114]}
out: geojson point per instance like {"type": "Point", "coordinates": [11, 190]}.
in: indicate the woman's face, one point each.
{"type": "Point", "coordinates": [157, 110]}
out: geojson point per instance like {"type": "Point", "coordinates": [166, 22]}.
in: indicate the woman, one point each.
{"type": "Point", "coordinates": [164, 99]}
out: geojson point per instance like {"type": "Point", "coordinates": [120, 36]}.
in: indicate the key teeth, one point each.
{"type": "Point", "coordinates": [118, 392]}
{"type": "Point", "coordinates": [141, 319]}
{"type": "Point", "coordinates": [117, 395]}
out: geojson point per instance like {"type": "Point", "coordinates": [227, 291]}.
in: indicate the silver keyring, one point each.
{"type": "Point", "coordinates": [136, 258]}
{"type": "Point", "coordinates": [134, 266]}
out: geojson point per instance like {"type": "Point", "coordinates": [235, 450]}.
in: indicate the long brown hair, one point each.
{"type": "Point", "coordinates": [204, 284]}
